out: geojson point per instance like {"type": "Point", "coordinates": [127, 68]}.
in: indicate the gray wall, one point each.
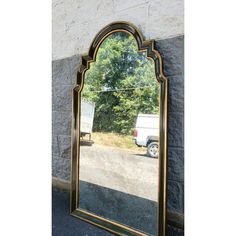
{"type": "Point", "coordinates": [172, 51]}
{"type": "Point", "coordinates": [63, 78]}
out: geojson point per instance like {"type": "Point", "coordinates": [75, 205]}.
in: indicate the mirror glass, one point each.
{"type": "Point", "coordinates": [119, 129]}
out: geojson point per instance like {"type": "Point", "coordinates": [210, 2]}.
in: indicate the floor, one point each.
{"type": "Point", "coordinates": [65, 225]}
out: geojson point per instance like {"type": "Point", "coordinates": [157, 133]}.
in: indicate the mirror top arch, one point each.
{"type": "Point", "coordinates": [121, 26]}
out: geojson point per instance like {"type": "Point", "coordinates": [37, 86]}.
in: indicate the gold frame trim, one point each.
{"type": "Point", "coordinates": [149, 47]}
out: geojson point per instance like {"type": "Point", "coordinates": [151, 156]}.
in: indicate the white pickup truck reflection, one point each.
{"type": "Point", "coordinates": [147, 132]}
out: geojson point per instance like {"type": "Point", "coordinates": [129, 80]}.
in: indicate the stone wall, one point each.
{"type": "Point", "coordinates": [172, 51]}
{"type": "Point", "coordinates": [63, 79]}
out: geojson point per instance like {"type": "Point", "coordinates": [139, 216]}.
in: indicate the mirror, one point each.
{"type": "Point", "coordinates": [119, 135]}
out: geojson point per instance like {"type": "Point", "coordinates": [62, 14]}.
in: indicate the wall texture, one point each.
{"type": "Point", "coordinates": [172, 51]}
{"type": "Point", "coordinates": [75, 23]}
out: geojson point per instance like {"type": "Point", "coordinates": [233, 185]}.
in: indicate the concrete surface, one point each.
{"type": "Point", "coordinates": [123, 170]}
{"type": "Point", "coordinates": [120, 185]}
{"type": "Point", "coordinates": [139, 213]}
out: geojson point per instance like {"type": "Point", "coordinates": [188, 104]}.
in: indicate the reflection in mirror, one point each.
{"type": "Point", "coordinates": [119, 129]}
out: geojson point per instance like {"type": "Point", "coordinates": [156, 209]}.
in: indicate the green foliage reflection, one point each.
{"type": "Point", "coordinates": [122, 84]}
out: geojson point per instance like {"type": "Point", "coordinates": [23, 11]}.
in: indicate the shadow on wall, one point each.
{"type": "Point", "coordinates": [137, 212]}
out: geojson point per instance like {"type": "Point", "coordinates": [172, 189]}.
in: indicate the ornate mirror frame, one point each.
{"type": "Point", "coordinates": [149, 47]}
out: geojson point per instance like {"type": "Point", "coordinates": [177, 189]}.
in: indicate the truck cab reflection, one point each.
{"type": "Point", "coordinates": [146, 133]}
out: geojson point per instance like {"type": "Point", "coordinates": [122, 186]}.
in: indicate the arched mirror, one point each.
{"type": "Point", "coordinates": [119, 135]}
